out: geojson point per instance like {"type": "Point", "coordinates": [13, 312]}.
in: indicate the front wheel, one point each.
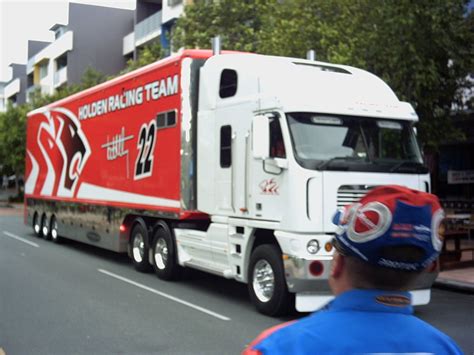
{"type": "Point", "coordinates": [164, 256]}
{"type": "Point", "coordinates": [266, 281]}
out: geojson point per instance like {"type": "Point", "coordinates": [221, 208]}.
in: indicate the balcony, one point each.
{"type": "Point", "coordinates": [148, 29]}
{"type": "Point", "coordinates": [128, 43]}
{"type": "Point", "coordinates": [60, 77]}
{"type": "Point", "coordinates": [12, 88]}
{"type": "Point", "coordinates": [30, 66]}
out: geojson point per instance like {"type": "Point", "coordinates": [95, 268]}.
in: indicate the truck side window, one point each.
{"type": "Point", "coordinates": [166, 119]}
{"type": "Point", "coordinates": [226, 146]}
{"type": "Point", "coordinates": [228, 84]}
{"type": "Point", "coordinates": [277, 146]}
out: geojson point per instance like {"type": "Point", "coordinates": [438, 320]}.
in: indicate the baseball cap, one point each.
{"type": "Point", "coordinates": [389, 217]}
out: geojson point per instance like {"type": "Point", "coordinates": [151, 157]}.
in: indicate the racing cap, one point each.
{"type": "Point", "coordinates": [387, 218]}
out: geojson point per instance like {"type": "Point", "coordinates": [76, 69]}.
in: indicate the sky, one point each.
{"type": "Point", "coordinates": [23, 20]}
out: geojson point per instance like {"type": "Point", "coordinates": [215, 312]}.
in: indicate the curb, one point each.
{"type": "Point", "coordinates": [454, 285]}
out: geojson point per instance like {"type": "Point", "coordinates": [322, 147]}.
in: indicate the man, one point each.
{"type": "Point", "coordinates": [381, 245]}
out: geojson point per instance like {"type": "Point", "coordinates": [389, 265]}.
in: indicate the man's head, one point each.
{"type": "Point", "coordinates": [386, 239]}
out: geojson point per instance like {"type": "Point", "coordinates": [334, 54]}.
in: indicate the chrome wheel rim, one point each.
{"type": "Point", "coordinates": [138, 248]}
{"type": "Point", "coordinates": [161, 254]}
{"type": "Point", "coordinates": [54, 230]}
{"type": "Point", "coordinates": [45, 228]}
{"type": "Point", "coordinates": [36, 226]}
{"type": "Point", "coordinates": [263, 281]}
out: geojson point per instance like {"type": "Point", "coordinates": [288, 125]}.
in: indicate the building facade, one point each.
{"type": "Point", "coordinates": [153, 21]}
{"type": "Point", "coordinates": [15, 89]}
{"type": "Point", "coordinates": [91, 38]}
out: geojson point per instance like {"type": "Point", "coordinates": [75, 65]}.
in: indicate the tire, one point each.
{"type": "Point", "coordinates": [266, 282]}
{"type": "Point", "coordinates": [45, 227]}
{"type": "Point", "coordinates": [139, 248]}
{"type": "Point", "coordinates": [164, 254]}
{"type": "Point", "coordinates": [36, 225]}
{"type": "Point", "coordinates": [53, 230]}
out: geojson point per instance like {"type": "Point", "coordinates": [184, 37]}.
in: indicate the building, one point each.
{"type": "Point", "coordinates": [14, 90]}
{"type": "Point", "coordinates": [154, 20]}
{"type": "Point", "coordinates": [92, 38]}
{"type": "Point", "coordinates": [3, 106]}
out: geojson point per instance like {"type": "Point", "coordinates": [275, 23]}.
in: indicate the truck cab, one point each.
{"type": "Point", "coordinates": [282, 144]}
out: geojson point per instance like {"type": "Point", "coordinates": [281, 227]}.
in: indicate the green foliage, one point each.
{"type": "Point", "coordinates": [239, 24]}
{"type": "Point", "coordinates": [149, 54]}
{"type": "Point", "coordinates": [12, 138]}
{"type": "Point", "coordinates": [422, 49]}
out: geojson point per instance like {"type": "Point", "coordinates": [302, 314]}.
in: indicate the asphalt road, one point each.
{"type": "Point", "coordinates": [76, 299]}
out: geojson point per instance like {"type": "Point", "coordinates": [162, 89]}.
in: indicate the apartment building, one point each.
{"type": "Point", "coordinates": [14, 90]}
{"type": "Point", "coordinates": [153, 21]}
{"type": "Point", "coordinates": [3, 107]}
{"type": "Point", "coordinates": [91, 38]}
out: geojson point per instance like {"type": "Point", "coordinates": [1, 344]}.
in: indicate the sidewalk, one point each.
{"type": "Point", "coordinates": [457, 279]}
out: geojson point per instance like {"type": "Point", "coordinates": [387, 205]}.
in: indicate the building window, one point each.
{"type": "Point", "coordinates": [174, 2]}
{"type": "Point", "coordinates": [61, 62]}
{"type": "Point", "coordinates": [166, 119]}
{"type": "Point", "coordinates": [226, 146]}
{"type": "Point", "coordinates": [43, 70]}
{"type": "Point", "coordinates": [228, 84]}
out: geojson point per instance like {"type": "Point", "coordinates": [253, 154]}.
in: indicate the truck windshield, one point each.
{"type": "Point", "coordinates": [332, 142]}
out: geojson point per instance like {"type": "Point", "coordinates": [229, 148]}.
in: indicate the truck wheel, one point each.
{"type": "Point", "coordinates": [164, 256]}
{"type": "Point", "coordinates": [139, 248]}
{"type": "Point", "coordinates": [36, 224]}
{"type": "Point", "coordinates": [266, 281]}
{"type": "Point", "coordinates": [45, 227]}
{"type": "Point", "coordinates": [53, 228]}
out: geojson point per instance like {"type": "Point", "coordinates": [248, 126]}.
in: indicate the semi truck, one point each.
{"type": "Point", "coordinates": [231, 163]}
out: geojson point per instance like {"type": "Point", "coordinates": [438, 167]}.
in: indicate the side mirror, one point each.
{"type": "Point", "coordinates": [261, 137]}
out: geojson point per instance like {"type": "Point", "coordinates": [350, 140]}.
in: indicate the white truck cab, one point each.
{"type": "Point", "coordinates": [282, 144]}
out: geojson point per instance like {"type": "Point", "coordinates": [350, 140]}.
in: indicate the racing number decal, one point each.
{"type": "Point", "coordinates": [145, 146]}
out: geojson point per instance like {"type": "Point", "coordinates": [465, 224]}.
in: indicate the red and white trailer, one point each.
{"type": "Point", "coordinates": [232, 164]}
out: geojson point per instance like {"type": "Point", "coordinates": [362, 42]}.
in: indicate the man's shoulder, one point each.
{"type": "Point", "coordinates": [340, 331]}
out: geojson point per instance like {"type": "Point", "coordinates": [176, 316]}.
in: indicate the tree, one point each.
{"type": "Point", "coordinates": [12, 140]}
{"type": "Point", "coordinates": [149, 54]}
{"type": "Point", "coordinates": [237, 22]}
{"type": "Point", "coordinates": [422, 49]}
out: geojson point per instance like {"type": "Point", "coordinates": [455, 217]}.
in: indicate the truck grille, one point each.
{"type": "Point", "coordinates": [348, 194]}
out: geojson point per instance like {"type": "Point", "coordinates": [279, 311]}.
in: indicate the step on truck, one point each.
{"type": "Point", "coordinates": [231, 163]}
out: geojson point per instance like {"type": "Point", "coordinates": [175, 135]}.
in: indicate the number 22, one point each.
{"type": "Point", "coordinates": [146, 146]}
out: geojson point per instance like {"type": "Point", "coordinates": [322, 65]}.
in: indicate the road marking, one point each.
{"type": "Point", "coordinates": [178, 300]}
{"type": "Point", "coordinates": [8, 234]}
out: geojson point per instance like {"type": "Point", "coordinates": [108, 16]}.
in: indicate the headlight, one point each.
{"type": "Point", "coordinates": [312, 246]}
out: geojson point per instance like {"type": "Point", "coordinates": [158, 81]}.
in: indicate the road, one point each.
{"type": "Point", "coordinates": [72, 298]}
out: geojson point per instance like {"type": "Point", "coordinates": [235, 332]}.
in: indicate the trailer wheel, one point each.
{"type": "Point", "coordinates": [164, 256]}
{"type": "Point", "coordinates": [45, 227]}
{"type": "Point", "coordinates": [266, 281]}
{"type": "Point", "coordinates": [53, 229]}
{"type": "Point", "coordinates": [140, 248]}
{"type": "Point", "coordinates": [36, 224]}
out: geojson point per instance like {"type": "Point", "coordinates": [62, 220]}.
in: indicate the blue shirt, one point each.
{"type": "Point", "coordinates": [360, 322]}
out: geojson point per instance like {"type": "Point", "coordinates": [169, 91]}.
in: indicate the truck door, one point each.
{"type": "Point", "coordinates": [268, 178]}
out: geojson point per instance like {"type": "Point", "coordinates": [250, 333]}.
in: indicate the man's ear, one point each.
{"type": "Point", "coordinates": [337, 266]}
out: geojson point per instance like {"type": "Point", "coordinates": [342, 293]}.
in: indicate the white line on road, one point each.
{"type": "Point", "coordinates": [178, 300]}
{"type": "Point", "coordinates": [8, 234]}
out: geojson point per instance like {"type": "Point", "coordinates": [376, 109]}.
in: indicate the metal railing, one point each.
{"type": "Point", "coordinates": [60, 77]}
{"type": "Point", "coordinates": [148, 26]}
